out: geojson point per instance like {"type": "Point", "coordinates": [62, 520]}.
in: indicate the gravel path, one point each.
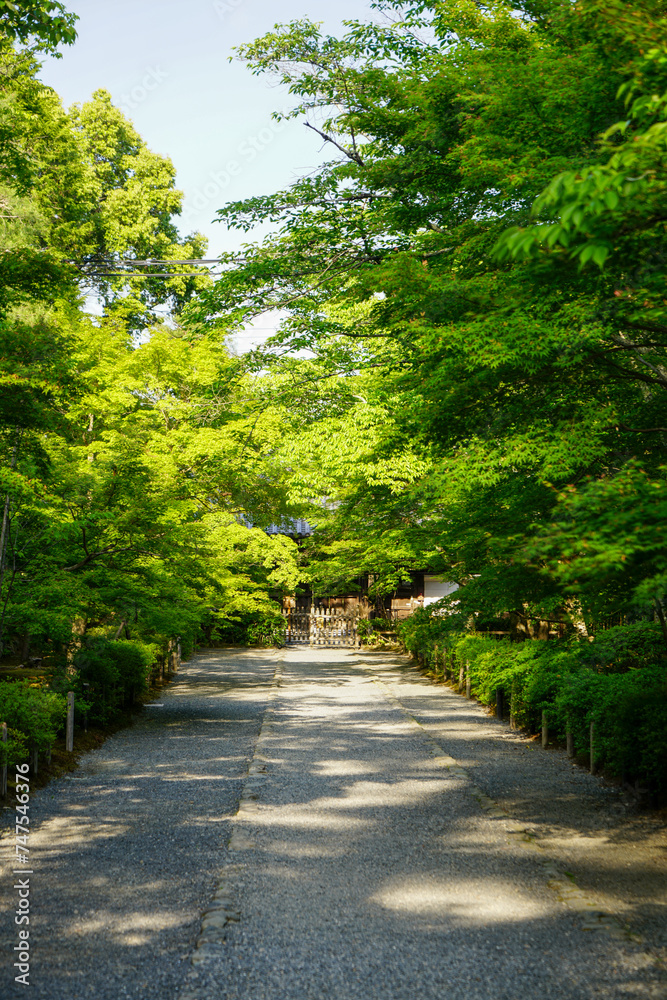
{"type": "Point", "coordinates": [362, 865]}
{"type": "Point", "coordinates": [379, 849]}
{"type": "Point", "coordinates": [618, 856]}
{"type": "Point", "coordinates": [126, 852]}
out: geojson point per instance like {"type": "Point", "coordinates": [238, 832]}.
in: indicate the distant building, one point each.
{"type": "Point", "coordinates": [420, 590]}
{"type": "Point", "coordinates": [295, 527]}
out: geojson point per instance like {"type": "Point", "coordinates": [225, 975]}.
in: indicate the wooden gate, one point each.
{"type": "Point", "coordinates": [320, 627]}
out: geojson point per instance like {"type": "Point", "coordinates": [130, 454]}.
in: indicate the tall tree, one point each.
{"type": "Point", "coordinates": [129, 467]}
{"type": "Point", "coordinates": [506, 366]}
{"type": "Point", "coordinates": [45, 23]}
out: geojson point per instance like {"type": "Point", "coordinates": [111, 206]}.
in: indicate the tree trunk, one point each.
{"type": "Point", "coordinates": [661, 616]}
{"type": "Point", "coordinates": [543, 630]}
{"type": "Point", "coordinates": [4, 531]}
{"type": "Point", "coordinates": [576, 614]}
{"type": "Point", "coordinates": [25, 647]}
{"type": "Point", "coordinates": [519, 626]}
{"type": "Point", "coordinates": [78, 629]}
{"type": "Point", "coordinates": [123, 625]}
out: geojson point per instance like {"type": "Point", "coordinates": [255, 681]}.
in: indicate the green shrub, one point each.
{"type": "Point", "coordinates": [110, 673]}
{"type": "Point", "coordinates": [33, 716]}
{"type": "Point", "coordinates": [376, 631]}
{"type": "Point", "coordinates": [259, 627]}
{"type": "Point", "coordinates": [618, 682]}
{"type": "Point", "coordinates": [365, 630]}
{"type": "Point", "coordinates": [16, 749]}
{"type": "Point", "coordinates": [629, 711]}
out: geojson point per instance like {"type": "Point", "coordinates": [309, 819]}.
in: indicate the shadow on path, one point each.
{"type": "Point", "coordinates": [372, 872]}
{"type": "Point", "coordinates": [126, 850]}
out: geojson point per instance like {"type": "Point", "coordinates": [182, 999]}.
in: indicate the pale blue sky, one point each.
{"type": "Point", "coordinates": [166, 63]}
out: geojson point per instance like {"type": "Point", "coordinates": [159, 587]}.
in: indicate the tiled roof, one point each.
{"type": "Point", "coordinates": [293, 526]}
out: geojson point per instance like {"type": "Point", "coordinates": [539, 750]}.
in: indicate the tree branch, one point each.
{"type": "Point", "coordinates": [109, 550]}
{"type": "Point", "coordinates": [353, 155]}
{"type": "Point", "coordinates": [643, 430]}
{"type": "Point", "coordinates": [636, 349]}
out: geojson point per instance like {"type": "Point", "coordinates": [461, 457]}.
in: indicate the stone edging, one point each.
{"type": "Point", "coordinates": [222, 910]}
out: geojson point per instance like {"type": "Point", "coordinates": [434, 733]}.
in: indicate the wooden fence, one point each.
{"type": "Point", "coordinates": [320, 627]}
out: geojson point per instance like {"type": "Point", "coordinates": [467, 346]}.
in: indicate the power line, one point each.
{"type": "Point", "coordinates": [150, 262]}
{"type": "Point", "coordinates": [206, 262]}
{"type": "Point", "coordinates": [131, 262]}
{"type": "Point", "coordinates": [143, 274]}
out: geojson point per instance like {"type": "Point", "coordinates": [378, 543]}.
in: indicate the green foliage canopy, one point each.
{"type": "Point", "coordinates": [480, 359]}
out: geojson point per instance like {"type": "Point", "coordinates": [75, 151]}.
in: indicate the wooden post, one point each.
{"type": "Point", "coordinates": [86, 692]}
{"type": "Point", "coordinates": [499, 703]}
{"type": "Point", "coordinates": [461, 678]}
{"type": "Point", "coordinates": [3, 785]}
{"type": "Point", "coordinates": [69, 731]}
{"type": "Point", "coordinates": [513, 700]}
{"type": "Point", "coordinates": [545, 730]}
{"type": "Point", "coordinates": [592, 748]}
{"type": "Point", "coordinates": [569, 736]}
{"type": "Point", "coordinates": [468, 682]}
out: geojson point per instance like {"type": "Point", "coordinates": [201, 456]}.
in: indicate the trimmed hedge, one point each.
{"type": "Point", "coordinates": [618, 681]}
{"type": "Point", "coordinates": [33, 718]}
{"type": "Point", "coordinates": [114, 672]}
{"type": "Point", "coordinates": [109, 674]}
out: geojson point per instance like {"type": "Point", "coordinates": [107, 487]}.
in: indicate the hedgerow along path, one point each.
{"type": "Point", "coordinates": [391, 841]}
